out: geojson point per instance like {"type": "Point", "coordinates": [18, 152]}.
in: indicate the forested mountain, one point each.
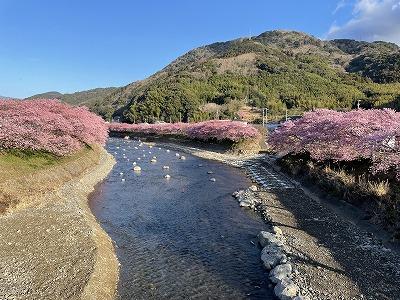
{"type": "Point", "coordinates": [88, 98]}
{"type": "Point", "coordinates": [276, 69]}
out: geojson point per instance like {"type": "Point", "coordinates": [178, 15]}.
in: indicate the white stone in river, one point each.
{"type": "Point", "coordinates": [150, 146]}
{"type": "Point", "coordinates": [149, 152]}
{"type": "Point", "coordinates": [177, 154]}
{"type": "Point", "coordinates": [138, 158]}
{"type": "Point", "coordinates": [167, 176]}
{"type": "Point", "coordinates": [144, 155]}
{"type": "Point", "coordinates": [126, 137]}
{"type": "Point", "coordinates": [121, 173]}
{"type": "Point", "coordinates": [117, 147]}
{"type": "Point", "coordinates": [137, 168]}
{"type": "Point", "coordinates": [136, 148]}
{"type": "Point", "coordinates": [153, 160]}
{"type": "Point", "coordinates": [200, 165]}
{"type": "Point", "coordinates": [134, 163]}
{"type": "Point", "coordinates": [213, 179]}
{"type": "Point", "coordinates": [210, 172]}
{"type": "Point", "coordinates": [253, 188]}
{"type": "Point", "coordinates": [159, 148]}
{"type": "Point", "coordinates": [183, 157]}
{"type": "Point", "coordinates": [154, 157]}
{"type": "Point", "coordinates": [165, 167]}
{"type": "Point", "coordinates": [123, 179]}
{"type": "Point", "coordinates": [168, 150]}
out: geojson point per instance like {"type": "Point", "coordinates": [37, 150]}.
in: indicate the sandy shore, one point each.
{"type": "Point", "coordinates": [53, 247]}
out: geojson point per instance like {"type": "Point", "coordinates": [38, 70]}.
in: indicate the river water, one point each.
{"type": "Point", "coordinates": [183, 237]}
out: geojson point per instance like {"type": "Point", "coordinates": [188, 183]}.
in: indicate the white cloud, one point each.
{"type": "Point", "coordinates": [341, 4]}
{"type": "Point", "coordinates": [372, 20]}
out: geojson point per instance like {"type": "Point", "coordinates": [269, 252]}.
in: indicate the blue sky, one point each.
{"type": "Point", "coordinates": [72, 45]}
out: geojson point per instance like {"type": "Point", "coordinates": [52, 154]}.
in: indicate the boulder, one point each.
{"type": "Point", "coordinates": [266, 238]}
{"type": "Point", "coordinates": [280, 272]}
{"type": "Point", "coordinates": [272, 255]}
{"type": "Point", "coordinates": [286, 290]}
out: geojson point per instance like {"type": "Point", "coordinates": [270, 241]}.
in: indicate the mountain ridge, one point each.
{"type": "Point", "coordinates": [278, 69]}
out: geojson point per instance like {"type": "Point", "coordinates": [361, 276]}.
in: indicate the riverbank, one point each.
{"type": "Point", "coordinates": [52, 246]}
{"type": "Point", "coordinates": [330, 251]}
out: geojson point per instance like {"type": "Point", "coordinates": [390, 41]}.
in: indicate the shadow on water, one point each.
{"type": "Point", "coordinates": [182, 238]}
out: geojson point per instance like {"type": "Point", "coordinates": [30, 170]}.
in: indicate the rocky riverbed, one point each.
{"type": "Point", "coordinates": [331, 255]}
{"type": "Point", "coordinates": [181, 236]}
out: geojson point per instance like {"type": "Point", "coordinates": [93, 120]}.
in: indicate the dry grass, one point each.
{"type": "Point", "coordinates": [26, 175]}
{"type": "Point", "coordinates": [377, 196]}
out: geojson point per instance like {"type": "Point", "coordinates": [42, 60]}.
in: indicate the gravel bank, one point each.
{"type": "Point", "coordinates": [54, 248]}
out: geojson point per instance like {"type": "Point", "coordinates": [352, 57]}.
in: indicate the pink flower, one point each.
{"type": "Point", "coordinates": [208, 130]}
{"type": "Point", "coordinates": [344, 136]}
{"type": "Point", "coordinates": [48, 125]}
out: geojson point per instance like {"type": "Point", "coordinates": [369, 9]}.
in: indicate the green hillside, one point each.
{"type": "Point", "coordinates": [277, 69]}
{"type": "Point", "coordinates": [87, 98]}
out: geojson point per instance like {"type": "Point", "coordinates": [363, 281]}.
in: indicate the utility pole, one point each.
{"type": "Point", "coordinates": [264, 116]}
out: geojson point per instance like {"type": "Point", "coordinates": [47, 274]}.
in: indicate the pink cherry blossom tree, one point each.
{"type": "Point", "coordinates": [324, 134]}
{"type": "Point", "coordinates": [48, 125]}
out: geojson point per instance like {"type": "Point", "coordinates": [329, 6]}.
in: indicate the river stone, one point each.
{"type": "Point", "coordinates": [253, 188]}
{"type": "Point", "coordinates": [301, 298]}
{"type": "Point", "coordinates": [246, 203]}
{"type": "Point", "coordinates": [271, 256]}
{"type": "Point", "coordinates": [276, 230]}
{"type": "Point", "coordinates": [280, 272]}
{"type": "Point", "coordinates": [266, 238]}
{"type": "Point", "coordinates": [286, 289]}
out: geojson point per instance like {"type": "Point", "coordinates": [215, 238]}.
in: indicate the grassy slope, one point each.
{"type": "Point", "coordinates": [24, 175]}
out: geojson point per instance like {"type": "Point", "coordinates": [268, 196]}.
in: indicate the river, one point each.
{"type": "Point", "coordinates": [179, 238]}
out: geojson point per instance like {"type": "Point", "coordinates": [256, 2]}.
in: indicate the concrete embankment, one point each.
{"type": "Point", "coordinates": [52, 246]}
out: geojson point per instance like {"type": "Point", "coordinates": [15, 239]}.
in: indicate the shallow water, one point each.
{"type": "Point", "coordinates": [183, 237]}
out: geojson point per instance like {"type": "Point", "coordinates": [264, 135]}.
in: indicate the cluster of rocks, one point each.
{"type": "Point", "coordinates": [273, 254]}
{"type": "Point", "coordinates": [275, 260]}
{"type": "Point", "coordinates": [246, 198]}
